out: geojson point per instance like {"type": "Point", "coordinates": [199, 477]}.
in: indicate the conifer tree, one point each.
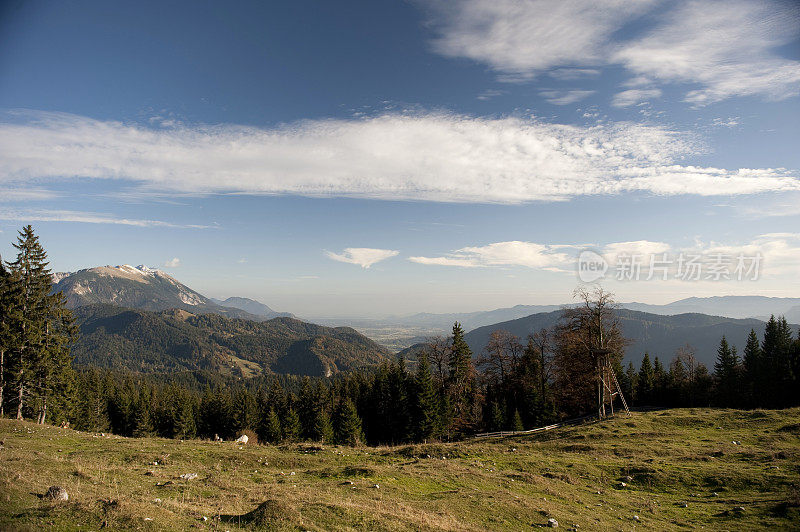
{"type": "Point", "coordinates": [726, 370]}
{"type": "Point", "coordinates": [426, 411]}
{"type": "Point", "coordinates": [462, 385]}
{"type": "Point", "coordinates": [143, 417]}
{"type": "Point", "coordinates": [10, 317]}
{"type": "Point", "coordinates": [496, 418]}
{"type": "Point", "coordinates": [348, 424]}
{"type": "Point", "coordinates": [290, 426]}
{"type": "Point", "coordinates": [644, 390]}
{"type": "Point", "coordinates": [272, 427]}
{"type": "Point", "coordinates": [323, 429]}
{"type": "Point", "coordinates": [659, 382]}
{"type": "Point", "coordinates": [753, 364]}
{"type": "Point", "coordinates": [516, 421]}
{"type": "Point", "coordinates": [44, 330]}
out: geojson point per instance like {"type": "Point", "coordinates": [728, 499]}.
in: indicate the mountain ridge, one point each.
{"type": "Point", "coordinates": [177, 340]}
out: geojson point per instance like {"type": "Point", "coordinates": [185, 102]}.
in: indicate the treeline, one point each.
{"type": "Point", "coordinates": [767, 375]}
{"type": "Point", "coordinates": [387, 405]}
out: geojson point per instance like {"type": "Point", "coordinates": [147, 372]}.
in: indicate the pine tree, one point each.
{"type": "Point", "coordinates": [659, 383]}
{"type": "Point", "coordinates": [10, 317]}
{"type": "Point", "coordinates": [44, 330]}
{"type": "Point", "coordinates": [291, 426]}
{"type": "Point", "coordinates": [496, 418]}
{"type": "Point", "coordinates": [272, 427]}
{"type": "Point", "coordinates": [516, 421]}
{"type": "Point", "coordinates": [143, 418]}
{"type": "Point", "coordinates": [753, 366]}
{"type": "Point", "coordinates": [646, 377]}
{"type": "Point", "coordinates": [462, 385]}
{"type": "Point", "coordinates": [726, 370]}
{"type": "Point", "coordinates": [426, 415]}
{"type": "Point", "coordinates": [348, 424]}
{"type": "Point", "coordinates": [323, 429]}
{"type": "Point", "coordinates": [185, 425]}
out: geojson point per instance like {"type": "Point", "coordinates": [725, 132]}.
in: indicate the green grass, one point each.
{"type": "Point", "coordinates": [675, 458]}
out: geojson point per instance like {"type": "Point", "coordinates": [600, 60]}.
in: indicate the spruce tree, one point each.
{"type": "Point", "coordinates": [323, 429]}
{"type": "Point", "coordinates": [462, 385]}
{"type": "Point", "coordinates": [272, 427]}
{"type": "Point", "coordinates": [753, 365]}
{"type": "Point", "coordinates": [290, 426]}
{"type": "Point", "coordinates": [10, 318]}
{"type": "Point", "coordinates": [44, 329]}
{"type": "Point", "coordinates": [496, 417]}
{"type": "Point", "coordinates": [426, 412]}
{"type": "Point", "coordinates": [659, 383]}
{"type": "Point", "coordinates": [348, 424]}
{"type": "Point", "coordinates": [516, 421]}
{"type": "Point", "coordinates": [646, 376]}
{"type": "Point", "coordinates": [143, 417]}
{"type": "Point", "coordinates": [726, 369]}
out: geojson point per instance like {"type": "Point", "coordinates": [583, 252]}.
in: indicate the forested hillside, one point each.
{"type": "Point", "coordinates": [174, 340]}
{"type": "Point", "coordinates": [660, 336]}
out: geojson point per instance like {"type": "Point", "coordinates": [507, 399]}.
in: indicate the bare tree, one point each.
{"type": "Point", "coordinates": [438, 351]}
{"type": "Point", "coordinates": [542, 340]}
{"type": "Point", "coordinates": [585, 331]}
{"type": "Point", "coordinates": [500, 356]}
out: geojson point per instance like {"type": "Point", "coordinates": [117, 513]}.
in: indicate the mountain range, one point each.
{"type": "Point", "coordinates": [143, 319]}
{"type": "Point", "coordinates": [252, 306]}
{"type": "Point", "coordinates": [740, 307]}
{"type": "Point", "coordinates": [658, 335]}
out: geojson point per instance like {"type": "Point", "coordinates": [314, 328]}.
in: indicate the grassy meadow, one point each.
{"type": "Point", "coordinates": [672, 469]}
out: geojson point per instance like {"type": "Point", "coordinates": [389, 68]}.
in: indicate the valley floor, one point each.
{"type": "Point", "coordinates": [681, 469]}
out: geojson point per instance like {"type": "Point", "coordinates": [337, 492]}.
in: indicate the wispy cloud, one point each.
{"type": "Point", "coordinates": [364, 257]}
{"type": "Point", "coordinates": [725, 46]}
{"type": "Point", "coordinates": [172, 263]}
{"type": "Point", "coordinates": [779, 252]}
{"type": "Point", "coordinates": [565, 97]}
{"type": "Point", "coordinates": [513, 253]}
{"type": "Point", "coordinates": [634, 96]}
{"type": "Point", "coordinates": [488, 94]}
{"type": "Point", "coordinates": [8, 194]}
{"type": "Point", "coordinates": [417, 156]}
{"type": "Point", "coordinates": [24, 216]}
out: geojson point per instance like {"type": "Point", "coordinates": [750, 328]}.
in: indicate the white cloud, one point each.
{"type": "Point", "coordinates": [558, 97]}
{"type": "Point", "coordinates": [364, 257]}
{"type": "Point", "coordinates": [513, 253]}
{"type": "Point", "coordinates": [634, 96]}
{"type": "Point", "coordinates": [173, 263]}
{"type": "Point", "coordinates": [779, 252]}
{"type": "Point", "coordinates": [569, 74]}
{"type": "Point", "coordinates": [488, 94]}
{"type": "Point", "coordinates": [520, 39]}
{"type": "Point", "coordinates": [25, 194]}
{"type": "Point", "coordinates": [724, 46]}
{"type": "Point", "coordinates": [44, 215]}
{"type": "Point", "coordinates": [422, 156]}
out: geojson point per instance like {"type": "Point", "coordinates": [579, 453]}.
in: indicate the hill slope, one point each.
{"type": "Point", "coordinates": [659, 335]}
{"type": "Point", "coordinates": [685, 474]}
{"type": "Point", "coordinates": [175, 340]}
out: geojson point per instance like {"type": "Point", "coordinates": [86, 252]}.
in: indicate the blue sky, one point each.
{"type": "Point", "coordinates": [371, 158]}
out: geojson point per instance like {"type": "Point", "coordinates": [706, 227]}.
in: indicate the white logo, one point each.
{"type": "Point", "coordinates": [591, 266]}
